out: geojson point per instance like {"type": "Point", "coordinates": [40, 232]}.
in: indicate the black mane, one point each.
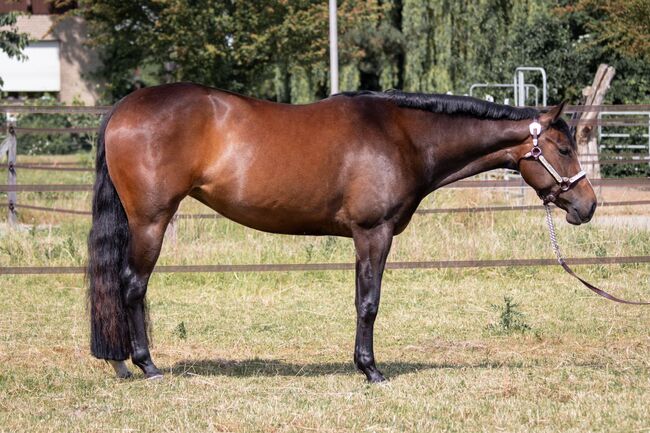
{"type": "Point", "coordinates": [450, 104]}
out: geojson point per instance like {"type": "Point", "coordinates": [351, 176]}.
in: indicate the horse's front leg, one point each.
{"type": "Point", "coordinates": [372, 247]}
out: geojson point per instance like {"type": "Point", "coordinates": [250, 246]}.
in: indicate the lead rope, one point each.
{"type": "Point", "coordinates": [562, 262]}
{"type": "Point", "coordinates": [551, 233]}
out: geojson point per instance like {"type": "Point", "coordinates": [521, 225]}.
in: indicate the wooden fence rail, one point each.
{"type": "Point", "coordinates": [314, 267]}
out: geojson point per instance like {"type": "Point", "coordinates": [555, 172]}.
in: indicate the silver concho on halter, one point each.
{"type": "Point", "coordinates": [535, 129]}
{"type": "Point", "coordinates": [535, 153]}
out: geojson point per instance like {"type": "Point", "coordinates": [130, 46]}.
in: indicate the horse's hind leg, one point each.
{"type": "Point", "coordinates": [145, 244]}
{"type": "Point", "coordinates": [121, 370]}
{"type": "Point", "coordinates": [372, 247]}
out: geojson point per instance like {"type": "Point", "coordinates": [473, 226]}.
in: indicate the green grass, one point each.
{"type": "Point", "coordinates": [271, 352]}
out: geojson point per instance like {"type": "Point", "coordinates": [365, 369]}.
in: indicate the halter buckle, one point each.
{"type": "Point", "coordinates": [565, 185]}
{"type": "Point", "coordinates": [535, 152]}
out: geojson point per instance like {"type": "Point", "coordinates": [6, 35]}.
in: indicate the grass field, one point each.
{"type": "Point", "coordinates": [272, 352]}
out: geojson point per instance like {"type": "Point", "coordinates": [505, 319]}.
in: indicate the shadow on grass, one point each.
{"type": "Point", "coordinates": [272, 367]}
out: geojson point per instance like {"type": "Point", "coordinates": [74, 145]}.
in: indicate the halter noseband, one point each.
{"type": "Point", "coordinates": [535, 153]}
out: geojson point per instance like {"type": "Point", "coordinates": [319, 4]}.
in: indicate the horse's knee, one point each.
{"type": "Point", "coordinates": [368, 310]}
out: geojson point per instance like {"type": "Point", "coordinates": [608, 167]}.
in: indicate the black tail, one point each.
{"type": "Point", "coordinates": [108, 244]}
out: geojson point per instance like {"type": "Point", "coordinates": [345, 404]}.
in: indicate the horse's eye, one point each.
{"type": "Point", "coordinates": [565, 150]}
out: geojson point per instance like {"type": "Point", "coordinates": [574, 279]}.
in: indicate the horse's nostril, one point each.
{"type": "Point", "coordinates": [592, 209]}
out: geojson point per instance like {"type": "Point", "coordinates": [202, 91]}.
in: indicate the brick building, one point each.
{"type": "Point", "coordinates": [58, 61]}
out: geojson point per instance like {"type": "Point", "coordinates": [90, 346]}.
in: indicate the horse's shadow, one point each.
{"type": "Point", "coordinates": [273, 367]}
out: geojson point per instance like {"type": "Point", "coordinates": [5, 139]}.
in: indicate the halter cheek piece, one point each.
{"type": "Point", "coordinates": [565, 183]}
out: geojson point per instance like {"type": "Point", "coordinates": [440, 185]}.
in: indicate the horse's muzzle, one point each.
{"type": "Point", "coordinates": [580, 214]}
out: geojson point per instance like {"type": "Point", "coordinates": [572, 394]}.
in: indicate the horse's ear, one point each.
{"type": "Point", "coordinates": [553, 114]}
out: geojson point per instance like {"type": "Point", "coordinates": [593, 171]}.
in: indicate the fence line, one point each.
{"type": "Point", "coordinates": [618, 161]}
{"type": "Point", "coordinates": [51, 167]}
{"type": "Point", "coordinates": [45, 188]}
{"type": "Point", "coordinates": [34, 109]}
{"type": "Point", "coordinates": [94, 129]}
{"type": "Point", "coordinates": [311, 267]}
{"type": "Point", "coordinates": [630, 118]}
{"type": "Point", "coordinates": [478, 209]}
{"type": "Point", "coordinates": [69, 166]}
{"type": "Point", "coordinates": [624, 182]}
{"type": "Point", "coordinates": [51, 209]}
{"type": "Point", "coordinates": [68, 109]}
{"type": "Point", "coordinates": [72, 129]}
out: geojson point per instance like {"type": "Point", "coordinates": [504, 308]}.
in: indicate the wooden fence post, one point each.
{"type": "Point", "coordinates": [585, 131]}
{"type": "Point", "coordinates": [11, 177]}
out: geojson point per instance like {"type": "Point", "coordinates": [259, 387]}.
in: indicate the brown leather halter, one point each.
{"type": "Point", "coordinates": [565, 184]}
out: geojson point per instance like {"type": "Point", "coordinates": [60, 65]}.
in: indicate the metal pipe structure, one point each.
{"type": "Point", "coordinates": [520, 97]}
{"type": "Point", "coordinates": [334, 50]}
{"type": "Point", "coordinates": [499, 85]}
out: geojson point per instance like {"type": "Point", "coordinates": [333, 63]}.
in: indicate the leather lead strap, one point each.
{"type": "Point", "coordinates": [565, 266]}
{"type": "Point", "coordinates": [596, 290]}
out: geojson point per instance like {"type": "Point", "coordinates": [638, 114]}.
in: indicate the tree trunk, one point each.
{"type": "Point", "coordinates": [585, 131]}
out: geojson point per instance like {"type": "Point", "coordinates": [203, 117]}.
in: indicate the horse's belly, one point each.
{"type": "Point", "coordinates": [278, 216]}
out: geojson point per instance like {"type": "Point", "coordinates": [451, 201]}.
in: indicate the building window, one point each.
{"type": "Point", "coordinates": [41, 72]}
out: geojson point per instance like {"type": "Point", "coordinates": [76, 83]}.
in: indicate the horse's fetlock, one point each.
{"type": "Point", "coordinates": [363, 361]}
{"type": "Point", "coordinates": [141, 356]}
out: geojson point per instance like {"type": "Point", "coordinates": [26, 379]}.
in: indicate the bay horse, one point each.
{"type": "Point", "coordinates": [354, 165]}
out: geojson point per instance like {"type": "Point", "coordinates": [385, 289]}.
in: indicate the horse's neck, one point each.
{"type": "Point", "coordinates": [463, 147]}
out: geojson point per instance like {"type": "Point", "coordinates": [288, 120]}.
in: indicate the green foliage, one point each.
{"type": "Point", "coordinates": [510, 318]}
{"type": "Point", "coordinates": [180, 331]}
{"type": "Point", "coordinates": [54, 143]}
{"type": "Point", "coordinates": [270, 48]}
{"type": "Point", "coordinates": [12, 42]}
{"type": "Point", "coordinates": [278, 49]}
{"type": "Point", "coordinates": [621, 25]}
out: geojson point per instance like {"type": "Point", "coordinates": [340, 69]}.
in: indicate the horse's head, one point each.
{"type": "Point", "coordinates": [549, 163]}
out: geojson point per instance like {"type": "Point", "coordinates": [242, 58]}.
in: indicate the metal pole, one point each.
{"type": "Point", "coordinates": [519, 80]}
{"type": "Point", "coordinates": [334, 50]}
{"type": "Point", "coordinates": [520, 89]}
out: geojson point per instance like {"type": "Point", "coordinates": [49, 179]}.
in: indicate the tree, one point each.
{"type": "Point", "coordinates": [12, 42]}
{"type": "Point", "coordinates": [276, 49]}
{"type": "Point", "coordinates": [622, 25]}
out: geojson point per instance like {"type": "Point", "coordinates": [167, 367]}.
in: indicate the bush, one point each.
{"type": "Point", "coordinates": [54, 143]}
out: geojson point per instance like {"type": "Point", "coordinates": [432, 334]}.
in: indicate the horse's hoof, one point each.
{"type": "Point", "coordinates": [377, 378]}
{"type": "Point", "coordinates": [155, 376]}
{"type": "Point", "coordinates": [121, 370]}
{"type": "Point", "coordinates": [374, 376]}
{"type": "Point", "coordinates": [125, 375]}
